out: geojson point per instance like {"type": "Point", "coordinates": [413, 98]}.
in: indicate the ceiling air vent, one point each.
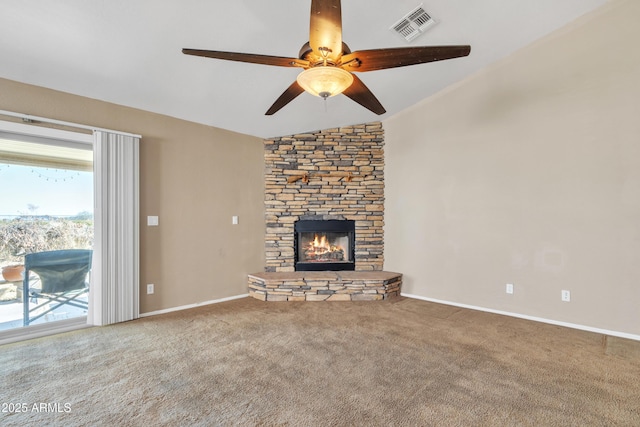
{"type": "Point", "coordinates": [413, 24]}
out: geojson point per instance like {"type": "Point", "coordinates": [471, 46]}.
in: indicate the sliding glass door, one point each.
{"type": "Point", "coordinates": [46, 227]}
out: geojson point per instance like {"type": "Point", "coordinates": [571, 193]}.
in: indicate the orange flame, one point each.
{"type": "Point", "coordinates": [321, 245]}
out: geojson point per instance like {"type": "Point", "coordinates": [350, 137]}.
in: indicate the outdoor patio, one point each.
{"type": "Point", "coordinates": [11, 309]}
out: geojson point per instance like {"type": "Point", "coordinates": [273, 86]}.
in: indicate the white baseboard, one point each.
{"type": "Point", "coordinates": [198, 304]}
{"type": "Point", "coordinates": [526, 317]}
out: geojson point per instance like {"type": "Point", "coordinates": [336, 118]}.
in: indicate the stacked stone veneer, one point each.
{"type": "Point", "coordinates": [355, 150]}
{"type": "Point", "coordinates": [325, 286]}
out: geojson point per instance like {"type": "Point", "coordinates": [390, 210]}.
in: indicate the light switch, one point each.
{"type": "Point", "coordinates": [234, 220]}
{"type": "Point", "coordinates": [152, 221]}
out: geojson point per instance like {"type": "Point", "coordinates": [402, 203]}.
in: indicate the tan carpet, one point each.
{"type": "Point", "coordinates": [400, 362]}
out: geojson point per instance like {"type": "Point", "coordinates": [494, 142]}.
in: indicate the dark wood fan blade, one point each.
{"type": "Point", "coordinates": [279, 61]}
{"type": "Point", "coordinates": [380, 59]}
{"type": "Point", "coordinates": [363, 96]}
{"type": "Point", "coordinates": [287, 96]}
{"type": "Point", "coordinates": [325, 28]}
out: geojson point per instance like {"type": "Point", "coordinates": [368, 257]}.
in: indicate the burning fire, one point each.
{"type": "Point", "coordinates": [320, 249]}
{"type": "Point", "coordinates": [322, 243]}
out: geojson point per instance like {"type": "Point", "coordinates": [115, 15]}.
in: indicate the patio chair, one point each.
{"type": "Point", "coordinates": [63, 280]}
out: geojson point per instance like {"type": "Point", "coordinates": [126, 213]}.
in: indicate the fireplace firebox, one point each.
{"type": "Point", "coordinates": [324, 245]}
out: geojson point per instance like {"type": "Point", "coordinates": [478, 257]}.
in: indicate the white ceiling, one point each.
{"type": "Point", "coordinates": [129, 52]}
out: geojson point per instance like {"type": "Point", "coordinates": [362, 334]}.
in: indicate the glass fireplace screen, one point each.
{"type": "Point", "coordinates": [324, 247]}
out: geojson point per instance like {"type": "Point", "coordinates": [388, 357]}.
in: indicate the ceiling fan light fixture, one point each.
{"type": "Point", "coordinates": [325, 81]}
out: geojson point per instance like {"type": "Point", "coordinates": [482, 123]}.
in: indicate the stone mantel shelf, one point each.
{"type": "Point", "coordinates": [324, 285]}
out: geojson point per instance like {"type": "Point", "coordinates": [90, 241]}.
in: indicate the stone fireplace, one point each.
{"type": "Point", "coordinates": [329, 177]}
{"type": "Point", "coordinates": [333, 174]}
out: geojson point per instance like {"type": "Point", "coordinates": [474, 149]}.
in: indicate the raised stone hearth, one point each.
{"type": "Point", "coordinates": [325, 285]}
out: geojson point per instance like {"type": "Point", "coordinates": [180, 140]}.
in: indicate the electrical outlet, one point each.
{"type": "Point", "coordinates": [150, 288]}
{"type": "Point", "coordinates": [566, 296]}
{"type": "Point", "coordinates": [509, 288]}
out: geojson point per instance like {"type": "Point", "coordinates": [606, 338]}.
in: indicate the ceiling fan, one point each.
{"type": "Point", "coordinates": [329, 64]}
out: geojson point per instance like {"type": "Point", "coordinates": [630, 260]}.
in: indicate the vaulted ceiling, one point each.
{"type": "Point", "coordinates": [129, 52]}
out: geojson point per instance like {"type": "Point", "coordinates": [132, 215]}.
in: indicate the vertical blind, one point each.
{"type": "Point", "coordinates": [115, 276]}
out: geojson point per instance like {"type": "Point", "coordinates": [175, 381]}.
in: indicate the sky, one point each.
{"type": "Point", "coordinates": [53, 191]}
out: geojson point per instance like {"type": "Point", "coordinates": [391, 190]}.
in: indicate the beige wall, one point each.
{"type": "Point", "coordinates": [528, 173]}
{"type": "Point", "coordinates": [195, 178]}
